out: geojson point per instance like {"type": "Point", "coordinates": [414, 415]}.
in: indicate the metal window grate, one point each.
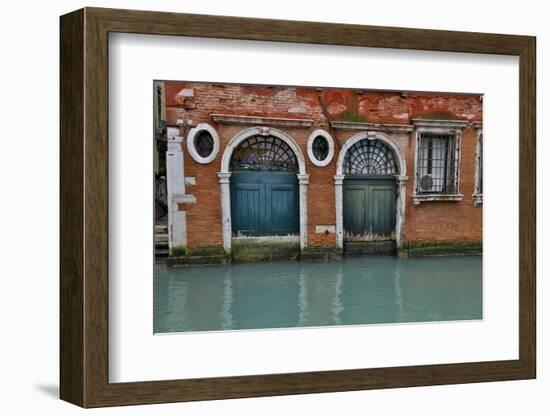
{"type": "Point", "coordinates": [437, 164]}
{"type": "Point", "coordinates": [264, 153]}
{"type": "Point", "coordinates": [320, 148]}
{"type": "Point", "coordinates": [204, 143]}
{"type": "Point", "coordinates": [369, 157]}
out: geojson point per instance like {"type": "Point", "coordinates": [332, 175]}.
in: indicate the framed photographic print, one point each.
{"type": "Point", "coordinates": [255, 207]}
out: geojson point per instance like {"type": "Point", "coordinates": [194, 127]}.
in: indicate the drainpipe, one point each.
{"type": "Point", "coordinates": [331, 130]}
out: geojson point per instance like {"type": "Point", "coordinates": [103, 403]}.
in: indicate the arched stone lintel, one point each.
{"type": "Point", "coordinates": [263, 131]}
{"type": "Point", "coordinates": [372, 135]}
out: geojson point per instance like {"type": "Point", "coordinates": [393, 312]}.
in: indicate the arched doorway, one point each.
{"type": "Point", "coordinates": [263, 171]}
{"type": "Point", "coordinates": [264, 188]}
{"type": "Point", "coordinates": [370, 193]}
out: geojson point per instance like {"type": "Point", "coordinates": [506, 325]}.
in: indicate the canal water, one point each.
{"type": "Point", "coordinates": [360, 290]}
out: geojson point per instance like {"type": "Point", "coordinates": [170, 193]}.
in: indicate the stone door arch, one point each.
{"type": "Point", "coordinates": [399, 173]}
{"type": "Point", "coordinates": [225, 180]}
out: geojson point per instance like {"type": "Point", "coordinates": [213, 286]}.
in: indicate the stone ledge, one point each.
{"type": "Point", "coordinates": [419, 198]}
{"type": "Point", "coordinates": [424, 122]}
{"type": "Point", "coordinates": [478, 199]}
{"type": "Point", "coordinates": [255, 120]}
{"type": "Point", "coordinates": [354, 125]}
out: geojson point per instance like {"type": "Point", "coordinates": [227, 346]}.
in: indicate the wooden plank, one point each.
{"type": "Point", "coordinates": [71, 317]}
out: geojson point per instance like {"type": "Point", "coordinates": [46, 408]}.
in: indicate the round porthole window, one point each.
{"type": "Point", "coordinates": [203, 143]}
{"type": "Point", "coordinates": [320, 148]}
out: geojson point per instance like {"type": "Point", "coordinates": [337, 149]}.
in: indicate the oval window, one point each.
{"type": "Point", "coordinates": [204, 143]}
{"type": "Point", "coordinates": [320, 148]}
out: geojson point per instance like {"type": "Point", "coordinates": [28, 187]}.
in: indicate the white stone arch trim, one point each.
{"type": "Point", "coordinates": [191, 143]}
{"type": "Point", "coordinates": [262, 131]}
{"type": "Point", "coordinates": [330, 141]}
{"type": "Point", "coordinates": [401, 182]}
{"type": "Point", "coordinates": [373, 135]}
{"type": "Point", "coordinates": [225, 180]}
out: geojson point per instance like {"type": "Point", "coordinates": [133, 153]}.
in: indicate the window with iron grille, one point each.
{"type": "Point", "coordinates": [437, 164]}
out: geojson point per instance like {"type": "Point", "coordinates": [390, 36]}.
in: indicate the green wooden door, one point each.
{"type": "Point", "coordinates": [264, 203]}
{"type": "Point", "coordinates": [369, 209]}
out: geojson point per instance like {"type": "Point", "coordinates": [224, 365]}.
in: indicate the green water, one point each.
{"type": "Point", "coordinates": [361, 290]}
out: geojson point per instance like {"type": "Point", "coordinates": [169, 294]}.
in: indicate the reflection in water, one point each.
{"type": "Point", "coordinates": [226, 315]}
{"type": "Point", "coordinates": [362, 290]}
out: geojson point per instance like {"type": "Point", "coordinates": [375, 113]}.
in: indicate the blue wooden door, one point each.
{"type": "Point", "coordinates": [369, 209]}
{"type": "Point", "coordinates": [264, 203]}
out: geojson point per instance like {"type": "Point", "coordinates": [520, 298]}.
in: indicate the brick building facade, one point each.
{"type": "Point", "coordinates": [314, 172]}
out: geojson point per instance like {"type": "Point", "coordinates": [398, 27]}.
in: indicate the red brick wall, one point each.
{"type": "Point", "coordinates": [320, 195]}
{"type": "Point", "coordinates": [429, 221]}
{"type": "Point", "coordinates": [446, 221]}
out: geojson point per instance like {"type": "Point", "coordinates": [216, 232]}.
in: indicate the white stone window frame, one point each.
{"type": "Point", "coordinates": [191, 143]}
{"type": "Point", "coordinates": [449, 127]}
{"type": "Point", "coordinates": [330, 141]}
{"type": "Point", "coordinates": [477, 196]}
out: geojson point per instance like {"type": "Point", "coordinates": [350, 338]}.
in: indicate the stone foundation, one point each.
{"type": "Point", "coordinates": [358, 248]}
{"type": "Point", "coordinates": [440, 248]}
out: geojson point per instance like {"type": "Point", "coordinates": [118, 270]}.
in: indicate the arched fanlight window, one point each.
{"type": "Point", "coordinates": [369, 157]}
{"type": "Point", "coordinates": [264, 153]}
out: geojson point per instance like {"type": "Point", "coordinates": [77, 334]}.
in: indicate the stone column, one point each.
{"type": "Point", "coordinates": [339, 205]}
{"type": "Point", "coordinates": [401, 182]}
{"type": "Point", "coordinates": [175, 184]}
{"type": "Point", "coordinates": [303, 180]}
{"type": "Point", "coordinates": [225, 179]}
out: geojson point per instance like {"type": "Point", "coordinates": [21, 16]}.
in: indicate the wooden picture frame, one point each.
{"type": "Point", "coordinates": [84, 207]}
